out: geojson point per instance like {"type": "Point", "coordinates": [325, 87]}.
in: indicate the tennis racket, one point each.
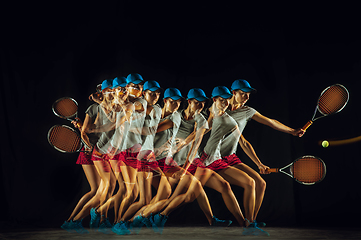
{"type": "Point", "coordinates": [66, 108]}
{"type": "Point", "coordinates": [332, 100]}
{"type": "Point", "coordinates": [307, 170]}
{"type": "Point", "coordinates": [65, 139]}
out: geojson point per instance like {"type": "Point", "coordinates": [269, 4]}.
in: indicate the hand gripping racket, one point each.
{"type": "Point", "coordinates": [66, 108]}
{"type": "Point", "coordinates": [332, 100]}
{"type": "Point", "coordinates": [65, 139]}
{"type": "Point", "coordinates": [306, 170]}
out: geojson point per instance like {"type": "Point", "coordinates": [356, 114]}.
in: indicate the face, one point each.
{"type": "Point", "coordinates": [172, 105]}
{"type": "Point", "coordinates": [135, 89]}
{"type": "Point", "coordinates": [240, 96]}
{"type": "Point", "coordinates": [151, 97]}
{"type": "Point", "coordinates": [108, 94]}
{"type": "Point", "coordinates": [221, 103]}
{"type": "Point", "coordinates": [121, 93]}
{"type": "Point", "coordinates": [196, 105]}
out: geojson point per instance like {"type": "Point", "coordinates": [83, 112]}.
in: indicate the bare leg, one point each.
{"type": "Point", "coordinates": [130, 179]}
{"type": "Point", "coordinates": [237, 177]}
{"type": "Point", "coordinates": [107, 175]}
{"type": "Point", "coordinates": [108, 185]}
{"type": "Point", "coordinates": [180, 189]}
{"type": "Point", "coordinates": [145, 194]}
{"type": "Point", "coordinates": [181, 195]}
{"type": "Point", "coordinates": [222, 186]}
{"type": "Point", "coordinates": [94, 181]}
{"type": "Point", "coordinates": [164, 189]}
{"type": "Point", "coordinates": [260, 185]}
{"type": "Point", "coordinates": [116, 199]}
{"type": "Point", "coordinates": [192, 193]}
{"type": "Point", "coordinates": [92, 203]}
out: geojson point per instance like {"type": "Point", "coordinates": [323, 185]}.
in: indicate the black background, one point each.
{"type": "Point", "coordinates": [289, 53]}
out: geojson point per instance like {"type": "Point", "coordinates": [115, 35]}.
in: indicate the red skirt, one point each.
{"type": "Point", "coordinates": [215, 166]}
{"type": "Point", "coordinates": [130, 156]}
{"type": "Point", "coordinates": [232, 160]}
{"type": "Point", "coordinates": [145, 166]}
{"type": "Point", "coordinates": [84, 159]}
{"type": "Point", "coordinates": [97, 156]}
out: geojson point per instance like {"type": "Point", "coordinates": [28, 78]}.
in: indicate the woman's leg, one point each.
{"type": "Point", "coordinates": [217, 183]}
{"type": "Point", "coordinates": [181, 188]}
{"type": "Point", "coordinates": [164, 189]}
{"type": "Point", "coordinates": [94, 181]}
{"type": "Point", "coordinates": [191, 194]}
{"type": "Point", "coordinates": [260, 185]}
{"type": "Point", "coordinates": [145, 194]}
{"type": "Point", "coordinates": [107, 175]}
{"type": "Point", "coordinates": [237, 177]}
{"type": "Point", "coordinates": [116, 199]}
{"type": "Point", "coordinates": [104, 192]}
{"type": "Point", "coordinates": [130, 179]}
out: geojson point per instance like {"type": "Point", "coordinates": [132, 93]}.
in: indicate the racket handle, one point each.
{"type": "Point", "coordinates": [271, 170]}
{"type": "Point", "coordinates": [309, 123]}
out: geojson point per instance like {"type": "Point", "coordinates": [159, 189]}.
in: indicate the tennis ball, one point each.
{"type": "Point", "coordinates": [325, 144]}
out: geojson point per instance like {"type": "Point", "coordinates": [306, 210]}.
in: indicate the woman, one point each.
{"type": "Point", "coordinates": [99, 158]}
{"type": "Point", "coordinates": [123, 110]}
{"type": "Point", "coordinates": [84, 159]}
{"type": "Point", "coordinates": [128, 158]}
{"type": "Point", "coordinates": [146, 157]}
{"type": "Point", "coordinates": [241, 113]}
{"type": "Point", "coordinates": [168, 125]}
{"type": "Point", "coordinates": [204, 170]}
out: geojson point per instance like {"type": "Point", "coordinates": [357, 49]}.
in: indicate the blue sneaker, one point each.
{"type": "Point", "coordinates": [154, 226]}
{"type": "Point", "coordinates": [259, 224]}
{"type": "Point", "coordinates": [159, 221]}
{"type": "Point", "coordinates": [253, 230]}
{"type": "Point", "coordinates": [105, 227]}
{"type": "Point", "coordinates": [67, 226]}
{"type": "Point", "coordinates": [137, 224]}
{"type": "Point", "coordinates": [75, 227]}
{"type": "Point", "coordinates": [94, 218]}
{"type": "Point", "coordinates": [147, 222]}
{"type": "Point", "coordinates": [121, 228]}
{"type": "Point", "coordinates": [220, 223]}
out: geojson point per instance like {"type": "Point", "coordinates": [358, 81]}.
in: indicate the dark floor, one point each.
{"type": "Point", "coordinates": [190, 233]}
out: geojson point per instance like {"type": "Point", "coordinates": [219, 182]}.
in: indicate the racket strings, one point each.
{"type": "Point", "coordinates": [308, 170]}
{"type": "Point", "coordinates": [64, 139]}
{"type": "Point", "coordinates": [333, 99]}
{"type": "Point", "coordinates": [66, 107]}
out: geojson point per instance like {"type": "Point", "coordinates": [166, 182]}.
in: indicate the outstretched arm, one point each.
{"type": "Point", "coordinates": [277, 125]}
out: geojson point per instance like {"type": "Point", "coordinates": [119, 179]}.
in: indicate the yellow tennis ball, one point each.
{"type": "Point", "coordinates": [325, 144]}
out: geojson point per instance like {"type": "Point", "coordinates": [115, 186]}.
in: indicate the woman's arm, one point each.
{"type": "Point", "coordinates": [83, 132]}
{"type": "Point", "coordinates": [248, 149]}
{"type": "Point", "coordinates": [277, 125]}
{"type": "Point", "coordinates": [164, 125]}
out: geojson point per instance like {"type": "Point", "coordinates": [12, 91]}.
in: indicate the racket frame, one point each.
{"type": "Point", "coordinates": [317, 110]}
{"type": "Point", "coordinates": [63, 117]}
{"type": "Point", "coordinates": [290, 174]}
{"type": "Point", "coordinates": [81, 145]}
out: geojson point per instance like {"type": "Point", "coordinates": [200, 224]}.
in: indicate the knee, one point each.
{"type": "Point", "coordinates": [250, 184]}
{"type": "Point", "coordinates": [190, 197]}
{"type": "Point", "coordinates": [261, 184]}
{"type": "Point", "coordinates": [226, 187]}
{"type": "Point", "coordinates": [167, 191]}
{"type": "Point", "coordinates": [92, 192]}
